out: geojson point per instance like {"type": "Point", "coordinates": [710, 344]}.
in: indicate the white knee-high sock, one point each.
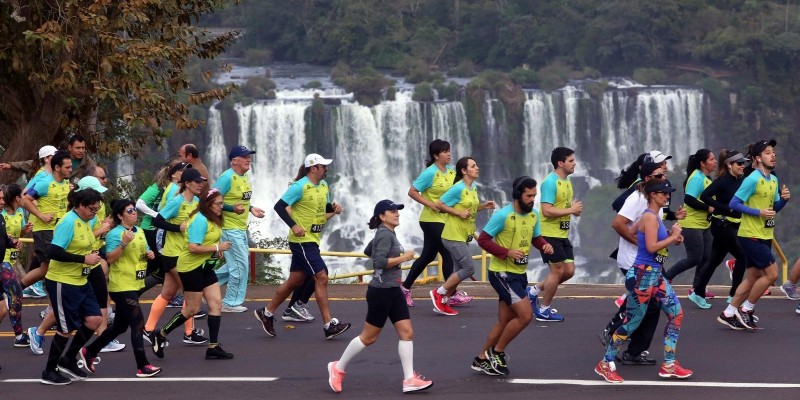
{"type": "Point", "coordinates": [355, 347]}
{"type": "Point", "coordinates": [406, 350]}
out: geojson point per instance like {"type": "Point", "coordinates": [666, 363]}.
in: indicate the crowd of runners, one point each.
{"type": "Point", "coordinates": [90, 251]}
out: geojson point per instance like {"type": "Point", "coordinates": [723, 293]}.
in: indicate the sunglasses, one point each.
{"type": "Point", "coordinates": [130, 211]}
{"type": "Point", "coordinates": [658, 176]}
{"type": "Point", "coordinates": [741, 163]}
{"type": "Point", "coordinates": [94, 209]}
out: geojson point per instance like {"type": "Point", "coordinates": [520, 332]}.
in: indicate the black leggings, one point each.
{"type": "Point", "coordinates": [724, 233]}
{"type": "Point", "coordinates": [432, 233]}
{"type": "Point", "coordinates": [97, 279]}
{"type": "Point", "coordinates": [128, 314]}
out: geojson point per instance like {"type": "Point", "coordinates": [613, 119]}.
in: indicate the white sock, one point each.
{"type": "Point", "coordinates": [729, 311]}
{"type": "Point", "coordinates": [267, 313]}
{"type": "Point", "coordinates": [534, 290]}
{"type": "Point", "coordinates": [18, 337]}
{"type": "Point", "coordinates": [352, 349]}
{"type": "Point", "coordinates": [748, 306]}
{"type": "Point", "coordinates": [543, 308]}
{"type": "Point", "coordinates": [441, 290]}
{"type": "Point", "coordinates": [406, 350]}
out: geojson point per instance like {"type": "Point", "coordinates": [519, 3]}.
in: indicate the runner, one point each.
{"type": "Point", "coordinates": [12, 226]}
{"type": "Point", "coordinates": [234, 185]}
{"type": "Point", "coordinates": [384, 300]}
{"type": "Point", "coordinates": [758, 199]}
{"type": "Point", "coordinates": [309, 201]}
{"type": "Point", "coordinates": [429, 186]}
{"type": "Point", "coordinates": [127, 252]}
{"type": "Point", "coordinates": [645, 284]}
{"type": "Point", "coordinates": [68, 289]}
{"type": "Point", "coordinates": [46, 153]}
{"type": "Point", "coordinates": [558, 207]}
{"type": "Point", "coordinates": [461, 205]}
{"type": "Point", "coordinates": [508, 237]}
{"type": "Point", "coordinates": [789, 288]}
{"type": "Point", "coordinates": [195, 266]}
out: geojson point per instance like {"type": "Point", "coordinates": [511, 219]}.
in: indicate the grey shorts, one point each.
{"type": "Point", "coordinates": [41, 241]}
{"type": "Point", "coordinates": [463, 265]}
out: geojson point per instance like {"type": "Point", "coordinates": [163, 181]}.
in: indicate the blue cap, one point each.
{"type": "Point", "coordinates": [386, 205]}
{"type": "Point", "coordinates": [240, 151]}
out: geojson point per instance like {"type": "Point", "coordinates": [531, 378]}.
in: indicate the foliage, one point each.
{"type": "Point", "coordinates": [313, 85]}
{"type": "Point", "coordinates": [257, 87]}
{"type": "Point", "coordinates": [649, 76]}
{"type": "Point", "coordinates": [447, 92]}
{"type": "Point", "coordinates": [423, 92]}
{"type": "Point", "coordinates": [524, 77]}
{"type": "Point", "coordinates": [367, 85]}
{"type": "Point", "coordinates": [268, 271]}
{"type": "Point", "coordinates": [415, 70]}
{"type": "Point", "coordinates": [464, 69]}
{"type": "Point", "coordinates": [257, 57]}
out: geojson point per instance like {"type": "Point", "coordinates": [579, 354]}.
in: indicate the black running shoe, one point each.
{"type": "Point", "coordinates": [71, 370]}
{"type": "Point", "coordinates": [200, 314]}
{"type": "Point", "coordinates": [54, 378]}
{"type": "Point", "coordinates": [335, 328]}
{"type": "Point", "coordinates": [483, 366]}
{"type": "Point", "coordinates": [217, 353]}
{"type": "Point", "coordinates": [159, 343]}
{"type": "Point", "coordinates": [731, 322]}
{"type": "Point", "coordinates": [641, 359]}
{"type": "Point", "coordinates": [194, 339]}
{"type": "Point", "coordinates": [268, 323]}
{"type": "Point", "coordinates": [148, 336]}
{"type": "Point", "coordinates": [745, 319]}
{"type": "Point", "coordinates": [498, 361]}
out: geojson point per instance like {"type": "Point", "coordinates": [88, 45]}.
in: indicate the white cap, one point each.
{"type": "Point", "coordinates": [659, 157]}
{"type": "Point", "coordinates": [316, 159]}
{"type": "Point", "coordinates": [47, 151]}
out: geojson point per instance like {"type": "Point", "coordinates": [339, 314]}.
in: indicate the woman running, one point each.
{"type": "Point", "coordinates": [645, 283]}
{"type": "Point", "coordinates": [461, 204]}
{"type": "Point", "coordinates": [384, 300]}
{"type": "Point", "coordinates": [14, 226]}
{"type": "Point", "coordinates": [127, 254]}
{"type": "Point", "coordinates": [429, 186]}
{"type": "Point", "coordinates": [195, 266]}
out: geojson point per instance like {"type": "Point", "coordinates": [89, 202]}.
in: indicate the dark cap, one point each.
{"type": "Point", "coordinates": [386, 205]}
{"type": "Point", "coordinates": [647, 169]}
{"type": "Point", "coordinates": [179, 167]}
{"type": "Point", "coordinates": [735, 156]}
{"type": "Point", "coordinates": [240, 151]}
{"type": "Point", "coordinates": [192, 175]}
{"type": "Point", "coordinates": [759, 146]}
{"type": "Point", "coordinates": [663, 187]}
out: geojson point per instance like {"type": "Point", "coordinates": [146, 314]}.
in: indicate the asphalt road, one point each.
{"type": "Point", "coordinates": [548, 360]}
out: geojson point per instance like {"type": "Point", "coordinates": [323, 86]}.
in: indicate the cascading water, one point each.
{"type": "Point", "coordinates": [216, 155]}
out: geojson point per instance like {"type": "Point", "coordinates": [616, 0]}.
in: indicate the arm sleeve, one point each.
{"type": "Point", "coordinates": [538, 242]}
{"type": "Point", "coordinates": [197, 230]}
{"type": "Point", "coordinates": [58, 253]}
{"type": "Point", "coordinates": [486, 242]}
{"type": "Point", "coordinates": [537, 229]}
{"type": "Point", "coordinates": [738, 205]}
{"type": "Point", "coordinates": [708, 197]}
{"type": "Point", "coordinates": [141, 205]}
{"type": "Point", "coordinates": [160, 222]}
{"type": "Point", "coordinates": [424, 180]}
{"type": "Point", "coordinates": [39, 189]}
{"type": "Point", "coordinates": [692, 201]}
{"type": "Point", "coordinates": [280, 208]}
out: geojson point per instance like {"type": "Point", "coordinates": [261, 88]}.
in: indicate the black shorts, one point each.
{"type": "Point", "coordinates": [198, 279]}
{"type": "Point", "coordinates": [71, 304]}
{"type": "Point", "coordinates": [306, 258]}
{"type": "Point", "coordinates": [562, 251]}
{"type": "Point", "coordinates": [510, 287]}
{"type": "Point", "coordinates": [41, 241]}
{"type": "Point", "coordinates": [153, 265]}
{"type": "Point", "coordinates": [757, 252]}
{"type": "Point", "coordinates": [168, 263]}
{"type": "Point", "coordinates": [97, 279]}
{"type": "Point", "coordinates": [385, 303]}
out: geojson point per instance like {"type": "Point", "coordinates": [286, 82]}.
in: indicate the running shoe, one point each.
{"type": "Point", "coordinates": [194, 339]}
{"type": "Point", "coordinates": [201, 314]}
{"type": "Point", "coordinates": [605, 337]}
{"type": "Point", "coordinates": [290, 314]}
{"type": "Point", "coordinates": [268, 323]}
{"type": "Point", "coordinates": [483, 366]}
{"type": "Point", "coordinates": [797, 310]}
{"type": "Point", "coordinates": [533, 298]}
{"type": "Point", "coordinates": [440, 304]}
{"type": "Point", "coordinates": [217, 353]}
{"type": "Point", "coordinates": [335, 377]}
{"type": "Point", "coordinates": [176, 302]}
{"type": "Point", "coordinates": [44, 312]}
{"type": "Point", "coordinates": [641, 359]}
{"type": "Point", "coordinates": [70, 370]}
{"type": "Point", "coordinates": [407, 295]}
{"type": "Point", "coordinates": [159, 343]}
{"type": "Point", "coordinates": [36, 341]}
{"type": "Point", "coordinates": [699, 301]}
{"type": "Point", "coordinates": [790, 290]}
{"type": "Point", "coordinates": [233, 309]}
{"type": "Point", "coordinates": [745, 318]}
{"type": "Point", "coordinates": [112, 346]}
{"type": "Point", "coordinates": [416, 383]}
{"type": "Point", "coordinates": [335, 328]}
{"type": "Point", "coordinates": [23, 341]}
{"type": "Point", "coordinates": [767, 292]}
{"type": "Point", "coordinates": [497, 360]}
{"type": "Point", "coordinates": [148, 371]}
{"type": "Point", "coordinates": [111, 316]}
{"type": "Point", "coordinates": [54, 378]}
{"type": "Point", "coordinates": [731, 322]}
{"type": "Point", "coordinates": [85, 362]}
{"type": "Point", "coordinates": [674, 370]}
{"type": "Point", "coordinates": [620, 300]}
{"type": "Point", "coordinates": [608, 370]}
{"type": "Point", "coordinates": [459, 299]}
{"type": "Point", "coordinates": [730, 264]}
{"type": "Point", "coordinates": [548, 315]}
{"type": "Point", "coordinates": [30, 292]}
{"type": "Point", "coordinates": [147, 336]}
{"type": "Point", "coordinates": [302, 309]}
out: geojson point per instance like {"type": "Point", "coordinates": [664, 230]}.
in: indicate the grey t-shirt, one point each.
{"type": "Point", "coordinates": [380, 249]}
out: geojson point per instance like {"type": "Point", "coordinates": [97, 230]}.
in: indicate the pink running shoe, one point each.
{"type": "Point", "coordinates": [674, 370]}
{"type": "Point", "coordinates": [407, 295]}
{"type": "Point", "coordinates": [335, 377]}
{"type": "Point", "coordinates": [620, 300]}
{"type": "Point", "coordinates": [459, 299]}
{"type": "Point", "coordinates": [730, 264]}
{"type": "Point", "coordinates": [416, 383]}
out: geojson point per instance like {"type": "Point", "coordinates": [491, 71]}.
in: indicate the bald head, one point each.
{"type": "Point", "coordinates": [100, 174]}
{"type": "Point", "coordinates": [188, 153]}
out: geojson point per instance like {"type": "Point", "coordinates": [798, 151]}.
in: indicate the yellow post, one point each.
{"type": "Point", "coordinates": [441, 271]}
{"type": "Point", "coordinates": [484, 272]}
{"type": "Point", "coordinates": [784, 260]}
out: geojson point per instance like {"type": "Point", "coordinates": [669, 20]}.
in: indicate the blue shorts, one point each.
{"type": "Point", "coordinates": [757, 252]}
{"type": "Point", "coordinates": [306, 258]}
{"type": "Point", "coordinates": [510, 287]}
{"type": "Point", "coordinates": [71, 304]}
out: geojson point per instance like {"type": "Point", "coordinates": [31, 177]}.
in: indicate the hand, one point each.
{"type": "Point", "coordinates": [679, 239]}
{"type": "Point", "coordinates": [515, 254]}
{"type": "Point", "coordinates": [681, 213]}
{"type": "Point", "coordinates": [47, 218]}
{"type": "Point", "coordinates": [489, 205]}
{"type": "Point", "coordinates": [106, 225]}
{"type": "Point", "coordinates": [27, 228]}
{"type": "Point", "coordinates": [547, 249]}
{"type": "Point", "coordinates": [18, 245]}
{"type": "Point", "coordinates": [767, 213]}
{"type": "Point", "coordinates": [238, 208]}
{"type": "Point", "coordinates": [224, 246]}
{"type": "Point", "coordinates": [676, 230]}
{"type": "Point", "coordinates": [577, 207]}
{"type": "Point", "coordinates": [92, 259]}
{"type": "Point", "coordinates": [184, 225]}
{"type": "Point", "coordinates": [5, 166]}
{"type": "Point", "coordinates": [127, 237]}
{"type": "Point", "coordinates": [710, 209]}
{"type": "Point", "coordinates": [298, 231]}
{"type": "Point", "coordinates": [150, 255]}
{"type": "Point", "coordinates": [785, 195]}
{"type": "Point", "coordinates": [434, 207]}
{"type": "Point", "coordinates": [464, 214]}
{"type": "Point", "coordinates": [337, 209]}
{"type": "Point", "coordinates": [408, 255]}
{"type": "Point", "coordinates": [257, 212]}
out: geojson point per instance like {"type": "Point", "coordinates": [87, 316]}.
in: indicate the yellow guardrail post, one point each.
{"type": "Point", "coordinates": [484, 264]}
{"type": "Point", "coordinates": [784, 260]}
{"type": "Point", "coordinates": [439, 266]}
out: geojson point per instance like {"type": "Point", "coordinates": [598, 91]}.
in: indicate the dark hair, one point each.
{"type": "Point", "coordinates": [650, 183]}
{"type": "Point", "coordinates": [520, 184]}
{"type": "Point", "coordinates": [10, 192]}
{"type": "Point", "coordinates": [694, 162]}
{"type": "Point", "coordinates": [437, 146]}
{"type": "Point", "coordinates": [302, 172]}
{"type": "Point", "coordinates": [630, 175]}
{"type": "Point", "coordinates": [118, 207]}
{"type": "Point", "coordinates": [722, 166]}
{"type": "Point", "coordinates": [58, 159]}
{"type": "Point", "coordinates": [461, 164]}
{"type": "Point", "coordinates": [84, 198]}
{"type": "Point", "coordinates": [191, 150]}
{"type": "Point", "coordinates": [204, 206]}
{"type": "Point", "coordinates": [375, 222]}
{"type": "Point", "coordinates": [560, 154]}
{"type": "Point", "coordinates": [75, 138]}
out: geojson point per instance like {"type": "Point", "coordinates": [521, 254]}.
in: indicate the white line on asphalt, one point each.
{"type": "Point", "coordinates": [176, 379]}
{"type": "Point", "coordinates": [577, 382]}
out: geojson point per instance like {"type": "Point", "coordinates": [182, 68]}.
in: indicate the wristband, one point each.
{"type": "Point", "coordinates": [217, 246]}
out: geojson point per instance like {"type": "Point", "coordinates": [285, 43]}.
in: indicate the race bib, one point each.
{"type": "Point", "coordinates": [660, 258]}
{"type": "Point", "coordinates": [247, 195]}
{"type": "Point", "coordinates": [85, 271]}
{"type": "Point", "coordinates": [564, 225]}
{"type": "Point", "coordinates": [469, 238]}
{"type": "Point", "coordinates": [13, 255]}
{"type": "Point", "coordinates": [522, 260]}
{"type": "Point", "coordinates": [317, 228]}
{"type": "Point", "coordinates": [140, 274]}
{"type": "Point", "coordinates": [769, 223]}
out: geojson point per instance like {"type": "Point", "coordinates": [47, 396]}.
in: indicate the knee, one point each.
{"type": "Point", "coordinates": [406, 334]}
{"type": "Point", "coordinates": [771, 274]}
{"type": "Point", "coordinates": [191, 309]}
{"type": "Point", "coordinates": [368, 341]}
{"type": "Point", "coordinates": [321, 278]}
{"type": "Point", "coordinates": [525, 319]}
{"type": "Point", "coordinates": [93, 322]}
{"type": "Point", "coordinates": [567, 273]}
{"type": "Point", "coordinates": [677, 319]}
{"type": "Point", "coordinates": [214, 304]}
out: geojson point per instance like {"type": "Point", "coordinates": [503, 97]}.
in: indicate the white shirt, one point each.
{"type": "Point", "coordinates": [635, 205]}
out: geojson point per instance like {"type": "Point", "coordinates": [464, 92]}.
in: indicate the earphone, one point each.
{"type": "Point", "coordinates": [516, 194]}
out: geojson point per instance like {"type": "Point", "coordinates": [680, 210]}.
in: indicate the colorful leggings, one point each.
{"type": "Point", "coordinates": [13, 291]}
{"type": "Point", "coordinates": [645, 284]}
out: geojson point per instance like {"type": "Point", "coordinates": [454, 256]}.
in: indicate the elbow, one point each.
{"type": "Point", "coordinates": [411, 192]}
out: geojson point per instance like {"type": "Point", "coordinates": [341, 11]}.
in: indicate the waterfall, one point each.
{"type": "Point", "coordinates": [216, 154]}
{"type": "Point", "coordinates": [125, 171]}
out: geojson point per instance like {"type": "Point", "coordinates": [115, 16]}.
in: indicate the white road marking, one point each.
{"type": "Point", "coordinates": [680, 383]}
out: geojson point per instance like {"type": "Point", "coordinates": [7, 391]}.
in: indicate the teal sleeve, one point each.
{"type": "Point", "coordinates": [172, 208]}
{"type": "Point", "coordinates": [197, 229]}
{"type": "Point", "coordinates": [548, 191]}
{"type": "Point", "coordinates": [696, 185]}
{"type": "Point", "coordinates": [224, 183]}
{"type": "Point", "coordinates": [424, 180]}
{"type": "Point", "coordinates": [537, 230]}
{"type": "Point", "coordinates": [293, 194]}
{"type": "Point", "coordinates": [114, 238]}
{"type": "Point", "coordinates": [64, 231]}
{"type": "Point", "coordinates": [453, 195]}
{"type": "Point", "coordinates": [748, 187]}
{"type": "Point", "coordinates": [498, 221]}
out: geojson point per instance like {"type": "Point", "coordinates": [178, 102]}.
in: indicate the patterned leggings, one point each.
{"type": "Point", "coordinates": [13, 292]}
{"type": "Point", "coordinates": [645, 284]}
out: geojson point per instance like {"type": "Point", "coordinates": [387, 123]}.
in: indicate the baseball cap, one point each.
{"type": "Point", "coordinates": [647, 169]}
{"type": "Point", "coordinates": [316, 159]}
{"type": "Point", "coordinates": [47, 151]}
{"type": "Point", "coordinates": [735, 157]}
{"type": "Point", "coordinates": [659, 157]}
{"type": "Point", "coordinates": [386, 205]}
{"type": "Point", "coordinates": [240, 151]}
{"type": "Point", "coordinates": [90, 182]}
{"type": "Point", "coordinates": [659, 187]}
{"type": "Point", "coordinates": [192, 175]}
{"type": "Point", "coordinates": [178, 167]}
{"type": "Point", "coordinates": [759, 146]}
